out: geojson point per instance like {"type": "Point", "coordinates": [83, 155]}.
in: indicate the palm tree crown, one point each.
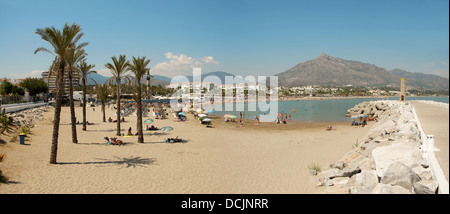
{"type": "Point", "coordinates": [139, 68]}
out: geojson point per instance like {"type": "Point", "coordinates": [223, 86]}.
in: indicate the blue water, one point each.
{"type": "Point", "coordinates": [332, 110]}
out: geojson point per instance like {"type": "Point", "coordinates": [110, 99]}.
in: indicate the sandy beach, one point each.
{"type": "Point", "coordinates": [267, 158]}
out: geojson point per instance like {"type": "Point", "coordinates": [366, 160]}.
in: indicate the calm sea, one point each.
{"type": "Point", "coordinates": [319, 110]}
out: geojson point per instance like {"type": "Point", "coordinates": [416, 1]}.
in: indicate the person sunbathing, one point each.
{"type": "Point", "coordinates": [152, 128]}
{"type": "Point", "coordinates": [114, 141]}
{"type": "Point", "coordinates": [174, 140]}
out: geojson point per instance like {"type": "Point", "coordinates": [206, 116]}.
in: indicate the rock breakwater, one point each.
{"type": "Point", "coordinates": [387, 160]}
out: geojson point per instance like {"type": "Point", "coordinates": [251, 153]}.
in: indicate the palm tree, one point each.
{"type": "Point", "coordinates": [75, 55]}
{"type": "Point", "coordinates": [102, 91]}
{"type": "Point", "coordinates": [118, 70]}
{"type": "Point", "coordinates": [139, 69]}
{"type": "Point", "coordinates": [85, 70]}
{"type": "Point", "coordinates": [61, 41]}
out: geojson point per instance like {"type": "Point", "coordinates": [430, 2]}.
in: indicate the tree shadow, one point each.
{"type": "Point", "coordinates": [164, 142]}
{"type": "Point", "coordinates": [156, 133]}
{"type": "Point", "coordinates": [122, 162]}
{"type": "Point", "coordinates": [104, 144]}
{"type": "Point", "coordinates": [106, 130]}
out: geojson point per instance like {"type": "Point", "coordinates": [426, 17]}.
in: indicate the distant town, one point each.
{"type": "Point", "coordinates": [13, 90]}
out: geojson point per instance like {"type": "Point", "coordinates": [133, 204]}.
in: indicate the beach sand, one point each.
{"type": "Point", "coordinates": [268, 158]}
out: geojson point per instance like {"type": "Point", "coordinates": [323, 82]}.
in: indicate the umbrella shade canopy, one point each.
{"type": "Point", "coordinates": [202, 115]}
{"type": "Point", "coordinates": [358, 116]}
{"type": "Point", "coordinates": [166, 128]}
{"type": "Point", "coordinates": [148, 121]}
{"type": "Point", "coordinates": [227, 115]}
{"type": "Point", "coordinates": [181, 113]}
{"type": "Point", "coordinates": [206, 119]}
{"type": "Point", "coordinates": [199, 110]}
{"type": "Point", "coordinates": [232, 117]}
{"type": "Point", "coordinates": [211, 111]}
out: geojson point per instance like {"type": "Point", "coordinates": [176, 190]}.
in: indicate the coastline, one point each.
{"type": "Point", "coordinates": [234, 100]}
{"type": "Point", "coordinates": [267, 158]}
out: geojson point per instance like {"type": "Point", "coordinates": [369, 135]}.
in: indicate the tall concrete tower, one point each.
{"type": "Point", "coordinates": [402, 90]}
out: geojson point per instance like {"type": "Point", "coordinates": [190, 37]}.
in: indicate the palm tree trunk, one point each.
{"type": "Point", "coordinates": [118, 108]}
{"type": "Point", "coordinates": [56, 118]}
{"type": "Point", "coordinates": [139, 115]}
{"type": "Point", "coordinates": [72, 111]}
{"type": "Point", "coordinates": [83, 81]}
{"type": "Point", "coordinates": [104, 113]}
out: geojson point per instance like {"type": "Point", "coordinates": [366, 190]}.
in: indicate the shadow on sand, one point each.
{"type": "Point", "coordinates": [122, 162]}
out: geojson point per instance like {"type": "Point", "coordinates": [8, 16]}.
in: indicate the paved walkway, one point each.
{"type": "Point", "coordinates": [435, 121]}
{"type": "Point", "coordinates": [10, 108]}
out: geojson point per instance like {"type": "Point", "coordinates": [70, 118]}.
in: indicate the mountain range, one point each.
{"type": "Point", "coordinates": [330, 71]}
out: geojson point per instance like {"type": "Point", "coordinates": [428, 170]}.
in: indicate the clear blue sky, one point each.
{"type": "Point", "coordinates": [239, 37]}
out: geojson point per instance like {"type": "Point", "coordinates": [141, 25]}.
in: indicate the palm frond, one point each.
{"type": "Point", "coordinates": [43, 50]}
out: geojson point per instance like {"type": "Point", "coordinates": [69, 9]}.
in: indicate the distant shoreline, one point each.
{"type": "Point", "coordinates": [325, 98]}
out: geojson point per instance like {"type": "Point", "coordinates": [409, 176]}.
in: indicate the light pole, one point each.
{"type": "Point", "coordinates": [148, 83]}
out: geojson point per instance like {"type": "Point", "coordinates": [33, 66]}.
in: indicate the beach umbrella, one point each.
{"type": "Point", "coordinates": [202, 115]}
{"type": "Point", "coordinates": [211, 111]}
{"type": "Point", "coordinates": [148, 121]}
{"type": "Point", "coordinates": [362, 115]}
{"type": "Point", "coordinates": [227, 115]}
{"type": "Point", "coordinates": [199, 110]}
{"type": "Point", "coordinates": [232, 117]}
{"type": "Point", "coordinates": [181, 113]}
{"type": "Point", "coordinates": [354, 116]}
{"type": "Point", "coordinates": [166, 128]}
{"type": "Point", "coordinates": [206, 119]}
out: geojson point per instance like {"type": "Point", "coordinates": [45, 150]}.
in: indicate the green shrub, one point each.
{"type": "Point", "coordinates": [314, 166]}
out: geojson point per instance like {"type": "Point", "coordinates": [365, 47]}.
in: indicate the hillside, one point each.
{"type": "Point", "coordinates": [330, 71]}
